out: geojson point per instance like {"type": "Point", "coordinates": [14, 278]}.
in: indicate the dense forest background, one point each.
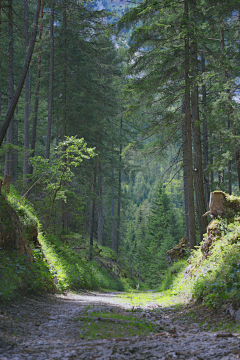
{"type": "Point", "coordinates": [117, 126]}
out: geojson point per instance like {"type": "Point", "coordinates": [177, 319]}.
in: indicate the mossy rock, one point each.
{"type": "Point", "coordinates": [178, 252]}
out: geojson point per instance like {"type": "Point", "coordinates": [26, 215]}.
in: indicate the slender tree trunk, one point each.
{"type": "Point", "coordinates": [205, 140]}
{"type": "Point", "coordinates": [112, 212]}
{"type": "Point", "coordinates": [64, 99]}
{"type": "Point", "coordinates": [64, 95]}
{"type": "Point", "coordinates": [189, 165]}
{"type": "Point", "coordinates": [50, 93]}
{"type": "Point", "coordinates": [35, 111]}
{"type": "Point", "coordinates": [17, 93]}
{"type": "Point", "coordinates": [119, 189]}
{"type": "Point", "coordinates": [100, 207]}
{"type": "Point", "coordinates": [27, 103]}
{"type": "Point", "coordinates": [211, 163]}
{"type": "Point", "coordinates": [10, 132]}
{"type": "Point", "coordinates": [0, 59]}
{"type": "Point", "coordinates": [184, 142]}
{"type": "Point", "coordinates": [93, 210]}
{"type": "Point", "coordinates": [229, 171]}
{"type": "Point", "coordinates": [237, 157]}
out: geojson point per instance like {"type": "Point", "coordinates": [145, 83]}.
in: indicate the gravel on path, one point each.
{"type": "Point", "coordinates": [45, 328]}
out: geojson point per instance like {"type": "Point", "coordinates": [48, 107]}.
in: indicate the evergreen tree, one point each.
{"type": "Point", "coordinates": [164, 233]}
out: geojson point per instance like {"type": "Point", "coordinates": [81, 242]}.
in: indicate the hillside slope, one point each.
{"type": "Point", "coordinates": [36, 262]}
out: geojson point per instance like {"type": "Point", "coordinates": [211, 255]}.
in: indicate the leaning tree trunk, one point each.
{"type": "Point", "coordinates": [50, 93]}
{"type": "Point", "coordinates": [17, 93]}
{"type": "Point", "coordinates": [189, 165]}
{"type": "Point", "coordinates": [27, 103]}
{"type": "Point", "coordinates": [35, 111]}
{"type": "Point", "coordinates": [10, 132]}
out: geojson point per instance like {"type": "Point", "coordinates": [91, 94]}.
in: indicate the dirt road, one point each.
{"type": "Point", "coordinates": [56, 327]}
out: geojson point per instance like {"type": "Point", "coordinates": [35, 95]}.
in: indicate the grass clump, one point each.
{"type": "Point", "coordinates": [101, 325]}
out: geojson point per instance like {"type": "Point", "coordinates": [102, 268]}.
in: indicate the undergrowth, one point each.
{"type": "Point", "coordinates": [61, 264]}
{"type": "Point", "coordinates": [18, 276]}
{"type": "Point", "coordinates": [214, 280]}
{"type": "Point", "coordinates": [69, 257]}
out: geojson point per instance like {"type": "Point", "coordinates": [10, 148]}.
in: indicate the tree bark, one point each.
{"type": "Point", "coordinates": [35, 111]}
{"type": "Point", "coordinates": [27, 104]}
{"type": "Point", "coordinates": [10, 132]}
{"type": "Point", "coordinates": [205, 141]}
{"type": "Point", "coordinates": [112, 212]}
{"type": "Point", "coordinates": [197, 147]}
{"type": "Point", "coordinates": [100, 208]}
{"type": "Point", "coordinates": [50, 94]}
{"type": "Point", "coordinates": [64, 99]}
{"type": "Point", "coordinates": [189, 167]}
{"type": "Point", "coordinates": [184, 142]}
{"type": "Point", "coordinates": [237, 157]}
{"type": "Point", "coordinates": [17, 93]}
{"type": "Point", "coordinates": [119, 189]}
{"type": "Point", "coordinates": [93, 210]}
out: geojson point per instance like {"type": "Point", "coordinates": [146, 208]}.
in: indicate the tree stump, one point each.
{"type": "Point", "coordinates": [223, 206]}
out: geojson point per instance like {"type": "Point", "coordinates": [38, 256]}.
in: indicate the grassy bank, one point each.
{"type": "Point", "coordinates": [60, 262]}
{"type": "Point", "coordinates": [213, 281]}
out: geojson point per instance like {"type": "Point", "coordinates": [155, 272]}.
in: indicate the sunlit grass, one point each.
{"type": "Point", "coordinates": [97, 326]}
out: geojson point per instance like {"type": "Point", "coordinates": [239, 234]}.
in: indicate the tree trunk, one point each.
{"type": "Point", "coordinates": [15, 98]}
{"type": "Point", "coordinates": [119, 189]}
{"type": "Point", "coordinates": [197, 147]}
{"type": "Point", "coordinates": [112, 212]}
{"type": "Point", "coordinates": [10, 132]}
{"type": "Point", "coordinates": [93, 210]}
{"type": "Point", "coordinates": [64, 95]}
{"type": "Point", "coordinates": [64, 99]}
{"type": "Point", "coordinates": [191, 213]}
{"type": "Point", "coordinates": [205, 141]}
{"type": "Point", "coordinates": [237, 157]}
{"type": "Point", "coordinates": [100, 208]}
{"type": "Point", "coordinates": [35, 111]}
{"type": "Point", "coordinates": [27, 104]}
{"type": "Point", "coordinates": [0, 59]}
{"type": "Point", "coordinates": [211, 163]}
{"type": "Point", "coordinates": [185, 176]}
{"type": "Point", "coordinates": [50, 94]}
{"type": "Point", "coordinates": [197, 159]}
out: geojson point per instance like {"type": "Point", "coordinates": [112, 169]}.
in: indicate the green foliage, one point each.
{"type": "Point", "coordinates": [69, 256]}
{"type": "Point", "coordinates": [19, 276]}
{"type": "Point", "coordinates": [216, 279]}
{"type": "Point", "coordinates": [171, 273]}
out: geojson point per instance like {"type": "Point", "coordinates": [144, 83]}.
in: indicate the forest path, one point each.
{"type": "Point", "coordinates": [55, 327]}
